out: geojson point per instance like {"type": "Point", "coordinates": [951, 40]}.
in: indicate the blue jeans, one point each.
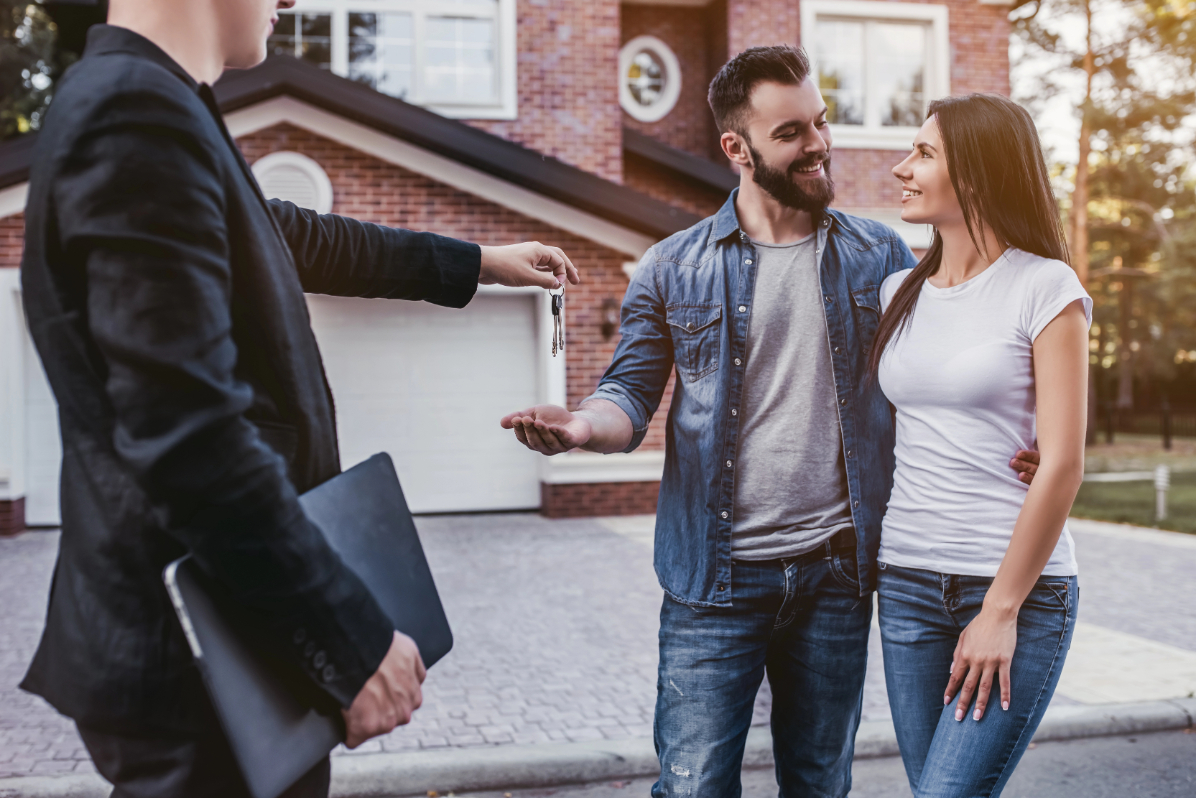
{"type": "Point", "coordinates": [805, 623]}
{"type": "Point", "coordinates": [921, 616]}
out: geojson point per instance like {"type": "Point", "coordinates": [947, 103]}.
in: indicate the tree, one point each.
{"type": "Point", "coordinates": [29, 65]}
{"type": "Point", "coordinates": [1128, 67]}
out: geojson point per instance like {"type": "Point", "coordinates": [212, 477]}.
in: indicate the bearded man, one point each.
{"type": "Point", "coordinates": [780, 448]}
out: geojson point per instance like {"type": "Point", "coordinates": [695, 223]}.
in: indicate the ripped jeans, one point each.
{"type": "Point", "coordinates": [805, 623]}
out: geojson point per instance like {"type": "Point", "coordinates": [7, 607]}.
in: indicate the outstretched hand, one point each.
{"type": "Point", "coordinates": [548, 429]}
{"type": "Point", "coordinates": [1025, 462]}
{"type": "Point", "coordinates": [527, 264]}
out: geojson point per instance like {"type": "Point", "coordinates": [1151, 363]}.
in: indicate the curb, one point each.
{"type": "Point", "coordinates": [551, 764]}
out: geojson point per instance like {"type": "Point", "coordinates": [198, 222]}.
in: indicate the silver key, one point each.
{"type": "Point", "coordinates": [558, 322]}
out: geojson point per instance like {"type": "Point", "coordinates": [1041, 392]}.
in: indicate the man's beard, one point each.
{"type": "Point", "coordinates": [811, 196]}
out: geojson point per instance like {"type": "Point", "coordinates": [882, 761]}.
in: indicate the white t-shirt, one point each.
{"type": "Point", "coordinates": [961, 377]}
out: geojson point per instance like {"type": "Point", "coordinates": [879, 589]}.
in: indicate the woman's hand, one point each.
{"type": "Point", "coordinates": [984, 650]}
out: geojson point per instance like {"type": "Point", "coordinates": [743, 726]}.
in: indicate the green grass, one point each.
{"type": "Point", "coordinates": [1133, 503]}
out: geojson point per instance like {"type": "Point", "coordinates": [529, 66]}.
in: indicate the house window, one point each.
{"type": "Point", "coordinates": [649, 79]}
{"type": "Point", "coordinates": [878, 65]}
{"type": "Point", "coordinates": [456, 57]}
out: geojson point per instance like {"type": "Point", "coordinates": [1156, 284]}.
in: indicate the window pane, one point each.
{"type": "Point", "coordinates": [899, 53]}
{"type": "Point", "coordinates": [646, 78]}
{"type": "Point", "coordinates": [460, 61]}
{"type": "Point", "coordinates": [840, 58]}
{"type": "Point", "coordinates": [381, 51]}
{"type": "Point", "coordinates": [305, 36]}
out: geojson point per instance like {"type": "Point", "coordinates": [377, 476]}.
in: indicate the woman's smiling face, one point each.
{"type": "Point", "coordinates": [927, 196]}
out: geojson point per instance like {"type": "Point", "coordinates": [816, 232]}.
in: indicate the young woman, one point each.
{"type": "Point", "coordinates": [982, 349]}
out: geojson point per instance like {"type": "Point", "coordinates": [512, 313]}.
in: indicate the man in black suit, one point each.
{"type": "Point", "coordinates": [165, 297]}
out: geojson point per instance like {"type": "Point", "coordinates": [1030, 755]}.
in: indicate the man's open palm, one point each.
{"type": "Point", "coordinates": [548, 429]}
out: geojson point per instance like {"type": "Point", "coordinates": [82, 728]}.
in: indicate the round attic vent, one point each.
{"type": "Point", "coordinates": [295, 178]}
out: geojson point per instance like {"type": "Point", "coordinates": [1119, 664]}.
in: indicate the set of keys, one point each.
{"type": "Point", "coordinates": [558, 321]}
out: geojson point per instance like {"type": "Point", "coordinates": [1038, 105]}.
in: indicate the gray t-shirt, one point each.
{"type": "Point", "coordinates": [791, 482]}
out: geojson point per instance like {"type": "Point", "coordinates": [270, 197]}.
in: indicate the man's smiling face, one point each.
{"type": "Point", "coordinates": [789, 142]}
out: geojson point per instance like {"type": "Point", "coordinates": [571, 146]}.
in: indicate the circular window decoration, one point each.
{"type": "Point", "coordinates": [649, 78]}
{"type": "Point", "coordinates": [295, 178]}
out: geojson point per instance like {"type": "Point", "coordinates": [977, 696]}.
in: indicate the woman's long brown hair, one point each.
{"type": "Point", "coordinates": [996, 166]}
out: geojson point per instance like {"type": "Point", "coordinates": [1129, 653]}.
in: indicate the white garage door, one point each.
{"type": "Point", "coordinates": [428, 385]}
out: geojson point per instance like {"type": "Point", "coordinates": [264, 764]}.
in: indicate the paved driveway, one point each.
{"type": "Point", "coordinates": [555, 625]}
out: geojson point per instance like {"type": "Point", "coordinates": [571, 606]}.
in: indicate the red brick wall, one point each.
{"type": "Point", "coordinates": [375, 191]}
{"type": "Point", "coordinates": [12, 517]}
{"type": "Point", "coordinates": [12, 240]}
{"type": "Point", "coordinates": [759, 23]}
{"type": "Point", "coordinates": [568, 63]}
{"type": "Point", "coordinates": [687, 32]}
{"type": "Point", "coordinates": [598, 498]}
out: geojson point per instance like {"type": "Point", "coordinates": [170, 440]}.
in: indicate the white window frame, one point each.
{"type": "Point", "coordinates": [672, 70]}
{"type": "Point", "coordinates": [505, 46]}
{"type": "Point", "coordinates": [938, 73]}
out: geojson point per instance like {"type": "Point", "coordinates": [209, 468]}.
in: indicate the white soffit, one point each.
{"type": "Point", "coordinates": [444, 170]}
{"type": "Point", "coordinates": [13, 198]}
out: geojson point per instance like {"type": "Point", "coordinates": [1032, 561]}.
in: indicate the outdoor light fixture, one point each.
{"type": "Point", "coordinates": [610, 317]}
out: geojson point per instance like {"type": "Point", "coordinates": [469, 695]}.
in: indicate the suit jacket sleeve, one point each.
{"type": "Point", "coordinates": [345, 257]}
{"type": "Point", "coordinates": [140, 199]}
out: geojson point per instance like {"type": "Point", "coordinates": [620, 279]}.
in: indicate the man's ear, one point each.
{"type": "Point", "coordinates": [736, 149]}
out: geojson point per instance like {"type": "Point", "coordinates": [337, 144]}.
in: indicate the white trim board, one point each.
{"type": "Point", "coordinates": [13, 199]}
{"type": "Point", "coordinates": [444, 170]}
{"type": "Point", "coordinates": [587, 467]}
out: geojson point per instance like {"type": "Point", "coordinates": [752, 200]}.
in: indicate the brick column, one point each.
{"type": "Point", "coordinates": [760, 23]}
{"type": "Point", "coordinates": [12, 517]}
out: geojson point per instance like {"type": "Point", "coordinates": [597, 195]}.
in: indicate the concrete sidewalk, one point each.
{"type": "Point", "coordinates": [555, 625]}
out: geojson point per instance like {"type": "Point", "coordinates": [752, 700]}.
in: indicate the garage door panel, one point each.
{"type": "Point", "coordinates": [428, 385]}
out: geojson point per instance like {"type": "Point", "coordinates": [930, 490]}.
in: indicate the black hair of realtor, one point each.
{"type": "Point", "coordinates": [730, 94]}
{"type": "Point", "coordinates": [995, 162]}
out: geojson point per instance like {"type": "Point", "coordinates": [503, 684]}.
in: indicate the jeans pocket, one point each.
{"type": "Point", "coordinates": [1048, 594]}
{"type": "Point", "coordinates": [845, 569]}
{"type": "Point", "coordinates": [695, 329]}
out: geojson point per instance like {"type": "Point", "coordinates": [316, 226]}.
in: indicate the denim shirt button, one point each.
{"type": "Point", "coordinates": [748, 261]}
{"type": "Point", "coordinates": [855, 503]}
{"type": "Point", "coordinates": [829, 300]}
{"type": "Point", "coordinates": [722, 588]}
{"type": "Point", "coordinates": [743, 308]}
{"type": "Point", "coordinates": [728, 464]}
{"type": "Point", "coordinates": [836, 350]}
{"type": "Point", "coordinates": [738, 362]}
{"type": "Point", "coordinates": [849, 452]}
{"type": "Point", "coordinates": [842, 401]}
{"type": "Point", "coordinates": [723, 513]}
{"type": "Point", "coordinates": [734, 412]}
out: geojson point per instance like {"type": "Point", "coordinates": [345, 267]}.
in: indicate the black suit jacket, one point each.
{"type": "Point", "coordinates": [165, 297]}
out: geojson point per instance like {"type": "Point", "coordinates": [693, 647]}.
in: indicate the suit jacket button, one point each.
{"type": "Point", "coordinates": [300, 636]}
{"type": "Point", "coordinates": [310, 648]}
{"type": "Point", "coordinates": [319, 660]}
{"type": "Point", "coordinates": [329, 673]}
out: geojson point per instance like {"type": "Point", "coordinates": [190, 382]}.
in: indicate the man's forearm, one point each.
{"type": "Point", "coordinates": [611, 428]}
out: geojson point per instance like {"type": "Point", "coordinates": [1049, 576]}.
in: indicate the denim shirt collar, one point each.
{"type": "Point", "coordinates": [726, 223]}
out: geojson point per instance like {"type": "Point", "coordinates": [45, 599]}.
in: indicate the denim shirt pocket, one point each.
{"type": "Point", "coordinates": [695, 329]}
{"type": "Point", "coordinates": [865, 304]}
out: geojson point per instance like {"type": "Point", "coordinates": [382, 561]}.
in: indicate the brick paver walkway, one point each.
{"type": "Point", "coordinates": [555, 625]}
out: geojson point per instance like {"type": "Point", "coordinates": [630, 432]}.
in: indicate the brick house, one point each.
{"type": "Point", "coordinates": [581, 124]}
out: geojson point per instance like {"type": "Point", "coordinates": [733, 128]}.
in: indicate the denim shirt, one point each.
{"type": "Point", "coordinates": [688, 307]}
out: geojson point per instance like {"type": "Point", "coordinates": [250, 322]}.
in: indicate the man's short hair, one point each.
{"type": "Point", "coordinates": [730, 94]}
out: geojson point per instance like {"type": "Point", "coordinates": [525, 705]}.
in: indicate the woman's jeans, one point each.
{"type": "Point", "coordinates": [805, 623]}
{"type": "Point", "coordinates": [921, 616]}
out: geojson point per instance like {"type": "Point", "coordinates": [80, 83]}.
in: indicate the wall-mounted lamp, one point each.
{"type": "Point", "coordinates": [610, 317]}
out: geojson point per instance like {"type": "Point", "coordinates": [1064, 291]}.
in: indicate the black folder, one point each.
{"type": "Point", "coordinates": [276, 736]}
